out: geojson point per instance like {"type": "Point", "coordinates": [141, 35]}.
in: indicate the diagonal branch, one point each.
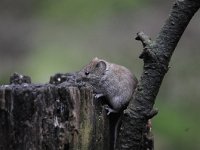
{"type": "Point", "coordinates": [156, 56]}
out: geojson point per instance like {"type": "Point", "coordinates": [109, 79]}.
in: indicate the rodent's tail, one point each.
{"type": "Point", "coordinates": [116, 123]}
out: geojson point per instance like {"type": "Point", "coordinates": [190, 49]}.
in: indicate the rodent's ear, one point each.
{"type": "Point", "coordinates": [101, 65]}
{"type": "Point", "coordinates": [95, 59]}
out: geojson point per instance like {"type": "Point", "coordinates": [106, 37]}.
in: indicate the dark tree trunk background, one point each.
{"type": "Point", "coordinates": [156, 56]}
{"type": "Point", "coordinates": [63, 115]}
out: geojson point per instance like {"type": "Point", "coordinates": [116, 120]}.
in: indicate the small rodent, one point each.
{"type": "Point", "coordinates": [113, 81]}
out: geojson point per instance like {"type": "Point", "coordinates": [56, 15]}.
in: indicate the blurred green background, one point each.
{"type": "Point", "coordinates": [41, 38]}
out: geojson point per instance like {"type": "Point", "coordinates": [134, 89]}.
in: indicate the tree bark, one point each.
{"type": "Point", "coordinates": [156, 56]}
{"type": "Point", "coordinates": [51, 117]}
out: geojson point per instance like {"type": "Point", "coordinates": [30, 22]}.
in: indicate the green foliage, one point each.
{"type": "Point", "coordinates": [50, 60]}
{"type": "Point", "coordinates": [4, 79]}
{"type": "Point", "coordinates": [87, 10]}
{"type": "Point", "coordinates": [178, 126]}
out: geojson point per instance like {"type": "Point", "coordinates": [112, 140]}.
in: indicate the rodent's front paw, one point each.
{"type": "Point", "coordinates": [97, 96]}
{"type": "Point", "coordinates": [109, 110]}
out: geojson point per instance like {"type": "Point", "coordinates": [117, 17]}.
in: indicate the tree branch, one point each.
{"type": "Point", "coordinates": [156, 56]}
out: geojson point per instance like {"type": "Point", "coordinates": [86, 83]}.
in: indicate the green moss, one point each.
{"type": "Point", "coordinates": [85, 132]}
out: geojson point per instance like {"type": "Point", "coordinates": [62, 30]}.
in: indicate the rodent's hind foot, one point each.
{"type": "Point", "coordinates": [109, 110]}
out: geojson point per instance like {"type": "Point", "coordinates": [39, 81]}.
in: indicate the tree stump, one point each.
{"type": "Point", "coordinates": [60, 116]}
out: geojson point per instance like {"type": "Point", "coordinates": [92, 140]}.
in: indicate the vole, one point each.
{"type": "Point", "coordinates": [113, 81]}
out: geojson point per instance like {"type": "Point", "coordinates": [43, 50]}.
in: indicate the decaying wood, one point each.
{"type": "Point", "coordinates": [51, 117]}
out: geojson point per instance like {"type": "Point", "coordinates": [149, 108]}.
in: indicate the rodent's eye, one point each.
{"type": "Point", "coordinates": [87, 73]}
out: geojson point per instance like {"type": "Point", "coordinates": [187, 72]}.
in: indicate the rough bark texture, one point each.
{"type": "Point", "coordinates": [156, 56]}
{"type": "Point", "coordinates": [51, 117]}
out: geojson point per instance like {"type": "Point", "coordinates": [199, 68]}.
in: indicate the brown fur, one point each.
{"type": "Point", "coordinates": [115, 82]}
